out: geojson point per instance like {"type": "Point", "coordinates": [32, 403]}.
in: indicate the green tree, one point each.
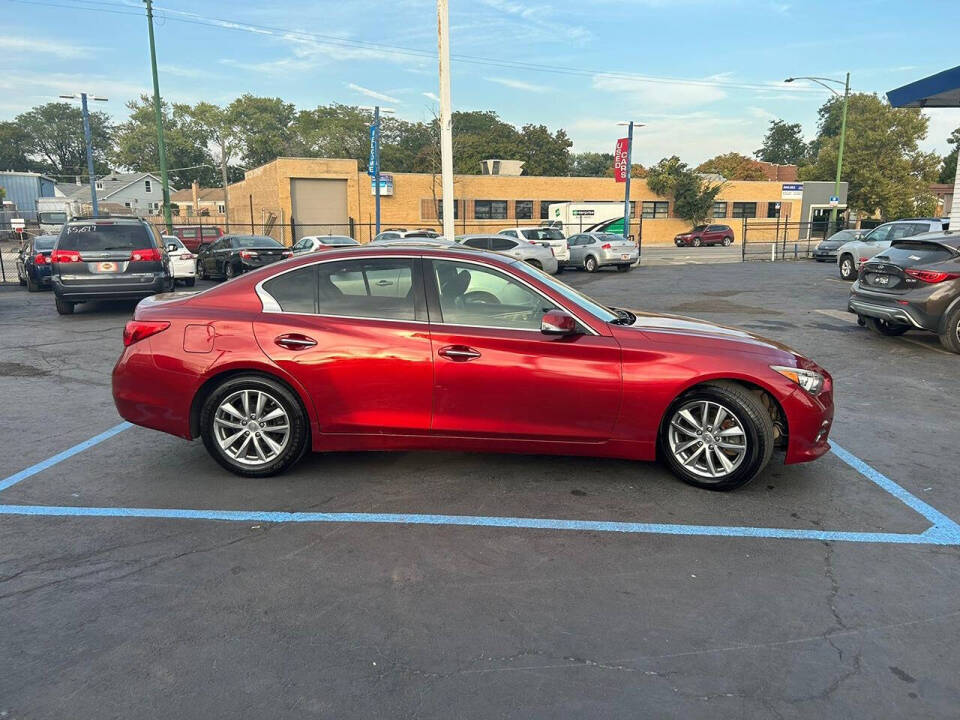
{"type": "Point", "coordinates": [693, 197]}
{"type": "Point", "coordinates": [135, 143]}
{"type": "Point", "coordinates": [217, 127]}
{"type": "Point", "coordinates": [15, 149]}
{"type": "Point", "coordinates": [591, 164]}
{"type": "Point", "coordinates": [544, 153]}
{"type": "Point", "coordinates": [882, 162]}
{"type": "Point", "coordinates": [54, 135]}
{"type": "Point", "coordinates": [265, 126]}
{"type": "Point", "coordinates": [783, 144]}
{"type": "Point", "coordinates": [733, 166]}
{"type": "Point", "coordinates": [948, 168]}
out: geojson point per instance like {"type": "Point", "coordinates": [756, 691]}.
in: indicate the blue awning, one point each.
{"type": "Point", "coordinates": [940, 90]}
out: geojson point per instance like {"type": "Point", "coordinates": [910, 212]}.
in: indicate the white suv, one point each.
{"type": "Point", "coordinates": [551, 236]}
{"type": "Point", "coordinates": [851, 254]}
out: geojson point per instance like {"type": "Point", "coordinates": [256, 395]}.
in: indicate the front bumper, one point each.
{"type": "Point", "coordinates": [809, 420]}
{"type": "Point", "coordinates": [830, 255]}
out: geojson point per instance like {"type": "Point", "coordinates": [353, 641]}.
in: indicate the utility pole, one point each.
{"type": "Point", "coordinates": [446, 121]}
{"type": "Point", "coordinates": [88, 140]}
{"type": "Point", "coordinates": [843, 137]}
{"type": "Point", "coordinates": [376, 159]}
{"type": "Point", "coordinates": [164, 180]}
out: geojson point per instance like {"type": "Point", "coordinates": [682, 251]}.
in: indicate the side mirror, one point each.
{"type": "Point", "coordinates": [557, 322]}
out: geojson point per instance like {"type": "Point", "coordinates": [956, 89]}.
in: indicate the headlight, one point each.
{"type": "Point", "coordinates": [809, 380]}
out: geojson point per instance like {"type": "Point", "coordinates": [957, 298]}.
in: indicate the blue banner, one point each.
{"type": "Point", "coordinates": [372, 163]}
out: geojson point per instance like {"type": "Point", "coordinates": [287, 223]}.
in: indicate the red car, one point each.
{"type": "Point", "coordinates": [706, 235]}
{"type": "Point", "coordinates": [193, 236]}
{"type": "Point", "coordinates": [402, 348]}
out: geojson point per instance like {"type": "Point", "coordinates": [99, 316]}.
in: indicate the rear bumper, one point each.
{"type": "Point", "coordinates": [150, 396]}
{"type": "Point", "coordinates": [616, 258]}
{"type": "Point", "coordinates": [40, 275]}
{"type": "Point", "coordinates": [878, 306]}
{"type": "Point", "coordinates": [83, 292]}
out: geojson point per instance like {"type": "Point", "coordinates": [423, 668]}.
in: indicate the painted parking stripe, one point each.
{"type": "Point", "coordinates": [60, 457]}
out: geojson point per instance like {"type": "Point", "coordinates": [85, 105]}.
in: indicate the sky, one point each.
{"type": "Point", "coordinates": [704, 76]}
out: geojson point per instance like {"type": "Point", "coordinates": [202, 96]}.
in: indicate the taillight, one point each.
{"type": "Point", "coordinates": [287, 253]}
{"type": "Point", "coordinates": [137, 330]}
{"type": "Point", "coordinates": [145, 255]}
{"type": "Point", "coordinates": [247, 254]}
{"type": "Point", "coordinates": [606, 246]}
{"type": "Point", "coordinates": [932, 276]}
{"type": "Point", "coordinates": [40, 259]}
{"type": "Point", "coordinates": [863, 260]}
{"type": "Point", "coordinates": [64, 256]}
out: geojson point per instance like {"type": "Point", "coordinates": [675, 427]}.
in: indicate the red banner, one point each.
{"type": "Point", "coordinates": [620, 160]}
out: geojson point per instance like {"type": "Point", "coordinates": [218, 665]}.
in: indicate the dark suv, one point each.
{"type": "Point", "coordinates": [706, 235]}
{"type": "Point", "coordinates": [114, 259]}
{"type": "Point", "coordinates": [914, 284]}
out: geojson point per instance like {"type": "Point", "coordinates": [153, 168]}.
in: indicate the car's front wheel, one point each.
{"type": "Point", "coordinates": [697, 242]}
{"type": "Point", "coordinates": [254, 426]}
{"type": "Point", "coordinates": [848, 271]}
{"type": "Point", "coordinates": [717, 436]}
{"type": "Point", "coordinates": [887, 328]}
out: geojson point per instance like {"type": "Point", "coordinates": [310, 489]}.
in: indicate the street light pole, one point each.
{"type": "Point", "coordinates": [446, 120]}
{"type": "Point", "coordinates": [88, 141]}
{"type": "Point", "coordinates": [626, 190]}
{"type": "Point", "coordinates": [161, 147]}
{"type": "Point", "coordinates": [376, 160]}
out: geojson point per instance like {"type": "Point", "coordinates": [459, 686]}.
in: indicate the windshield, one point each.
{"type": "Point", "coordinates": [574, 296]}
{"type": "Point", "coordinates": [256, 241]}
{"type": "Point", "coordinates": [105, 236]}
{"type": "Point", "coordinates": [842, 236]}
{"type": "Point", "coordinates": [337, 240]}
{"type": "Point", "coordinates": [542, 234]}
{"type": "Point", "coordinates": [53, 218]}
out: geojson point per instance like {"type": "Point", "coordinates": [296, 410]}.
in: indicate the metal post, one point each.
{"type": "Point", "coordinates": [88, 139]}
{"type": "Point", "coordinates": [626, 189]}
{"type": "Point", "coordinates": [843, 136]}
{"type": "Point", "coordinates": [376, 159]}
{"type": "Point", "coordinates": [161, 147]}
{"type": "Point", "coordinates": [446, 119]}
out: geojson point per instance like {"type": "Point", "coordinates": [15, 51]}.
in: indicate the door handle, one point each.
{"type": "Point", "coordinates": [295, 341]}
{"type": "Point", "coordinates": [458, 353]}
{"type": "Point", "coordinates": [383, 283]}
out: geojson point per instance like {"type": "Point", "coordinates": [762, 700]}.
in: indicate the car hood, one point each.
{"type": "Point", "coordinates": [831, 244]}
{"type": "Point", "coordinates": [678, 329]}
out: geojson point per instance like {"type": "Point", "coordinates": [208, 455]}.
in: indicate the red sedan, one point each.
{"type": "Point", "coordinates": [400, 348]}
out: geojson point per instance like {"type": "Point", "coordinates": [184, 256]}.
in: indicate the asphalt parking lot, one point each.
{"type": "Point", "coordinates": [115, 615]}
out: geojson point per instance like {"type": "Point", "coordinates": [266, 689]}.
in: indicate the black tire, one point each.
{"type": "Point", "coordinates": [229, 272]}
{"type": "Point", "coordinates": [560, 269]}
{"type": "Point", "coordinates": [623, 267]}
{"type": "Point", "coordinates": [697, 242]}
{"type": "Point", "coordinates": [757, 427]}
{"type": "Point", "coordinates": [201, 270]}
{"type": "Point", "coordinates": [20, 278]}
{"type": "Point", "coordinates": [848, 269]}
{"type": "Point", "coordinates": [590, 264]}
{"type": "Point", "coordinates": [299, 433]}
{"type": "Point", "coordinates": [950, 337]}
{"type": "Point", "coordinates": [64, 307]}
{"type": "Point", "coordinates": [886, 328]}
{"type": "Point", "coordinates": [535, 263]}
{"type": "Point", "coordinates": [32, 286]}
{"type": "Point", "coordinates": [190, 282]}
{"type": "Point", "coordinates": [727, 241]}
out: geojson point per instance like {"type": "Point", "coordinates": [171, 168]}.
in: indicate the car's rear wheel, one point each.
{"type": "Point", "coordinates": [535, 263]}
{"type": "Point", "coordinates": [697, 242]}
{"type": "Point", "coordinates": [848, 271]}
{"type": "Point", "coordinates": [590, 264]}
{"type": "Point", "coordinates": [201, 270]}
{"type": "Point", "coordinates": [727, 241]}
{"type": "Point", "coordinates": [254, 426]}
{"type": "Point", "coordinates": [950, 337]}
{"type": "Point", "coordinates": [717, 436]}
{"type": "Point", "coordinates": [64, 307]}
{"type": "Point", "coordinates": [190, 282]}
{"type": "Point", "coordinates": [32, 285]}
{"type": "Point", "coordinates": [885, 327]}
{"type": "Point", "coordinates": [20, 277]}
{"type": "Point", "coordinates": [229, 272]}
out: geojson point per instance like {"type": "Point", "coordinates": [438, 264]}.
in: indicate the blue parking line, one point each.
{"type": "Point", "coordinates": [60, 457]}
{"type": "Point", "coordinates": [267, 516]}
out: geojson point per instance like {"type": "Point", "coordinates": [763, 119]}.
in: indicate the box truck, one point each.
{"type": "Point", "coordinates": [578, 217]}
{"type": "Point", "coordinates": [53, 212]}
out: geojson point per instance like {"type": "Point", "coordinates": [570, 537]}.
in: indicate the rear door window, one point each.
{"type": "Point", "coordinates": [479, 243]}
{"type": "Point", "coordinates": [104, 236]}
{"type": "Point", "coordinates": [376, 289]}
{"type": "Point", "coordinates": [501, 244]}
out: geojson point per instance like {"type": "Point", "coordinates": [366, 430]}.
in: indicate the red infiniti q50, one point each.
{"type": "Point", "coordinates": [390, 348]}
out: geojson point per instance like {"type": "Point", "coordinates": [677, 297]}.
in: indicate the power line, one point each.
{"type": "Point", "coordinates": [254, 28]}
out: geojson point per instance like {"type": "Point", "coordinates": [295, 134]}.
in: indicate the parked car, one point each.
{"type": "Point", "coordinates": [314, 243]}
{"type": "Point", "coordinates": [592, 251]}
{"type": "Point", "coordinates": [706, 235]}
{"type": "Point", "coordinates": [556, 239]}
{"type": "Point", "coordinates": [183, 263]}
{"type": "Point", "coordinates": [115, 259]}
{"type": "Point", "coordinates": [826, 251]}
{"type": "Point", "coordinates": [538, 254]}
{"type": "Point", "coordinates": [412, 241]}
{"type": "Point", "coordinates": [403, 233]}
{"type": "Point", "coordinates": [459, 349]}
{"type": "Point", "coordinates": [193, 236]}
{"type": "Point", "coordinates": [851, 254]}
{"type": "Point", "coordinates": [33, 262]}
{"type": "Point", "coordinates": [914, 284]}
{"type": "Point", "coordinates": [234, 255]}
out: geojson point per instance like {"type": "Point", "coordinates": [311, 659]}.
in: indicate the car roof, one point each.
{"type": "Point", "coordinates": [944, 237]}
{"type": "Point", "coordinates": [486, 236]}
{"type": "Point", "coordinates": [109, 219]}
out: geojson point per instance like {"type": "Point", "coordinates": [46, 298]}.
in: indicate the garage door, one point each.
{"type": "Point", "coordinates": [319, 207]}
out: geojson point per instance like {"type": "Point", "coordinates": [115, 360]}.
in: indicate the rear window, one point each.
{"type": "Point", "coordinates": [338, 241]}
{"type": "Point", "coordinates": [255, 241]}
{"type": "Point", "coordinates": [542, 234]}
{"type": "Point", "coordinates": [45, 243]}
{"type": "Point", "coordinates": [102, 236]}
{"type": "Point", "coordinates": [907, 253]}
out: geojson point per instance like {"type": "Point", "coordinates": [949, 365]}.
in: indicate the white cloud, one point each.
{"type": "Point", "coordinates": [539, 17]}
{"type": "Point", "coordinates": [431, 96]}
{"type": "Point", "coordinates": [519, 85]}
{"type": "Point", "coordinates": [372, 93]}
{"type": "Point", "coordinates": [32, 45]}
{"type": "Point", "coordinates": [640, 93]}
{"type": "Point", "coordinates": [943, 121]}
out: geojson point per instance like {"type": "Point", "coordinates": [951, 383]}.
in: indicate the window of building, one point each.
{"type": "Point", "coordinates": [744, 210]}
{"type": "Point", "coordinates": [773, 209]}
{"type": "Point", "coordinates": [456, 209]}
{"type": "Point", "coordinates": [147, 186]}
{"type": "Point", "coordinates": [126, 204]}
{"type": "Point", "coordinates": [99, 185]}
{"type": "Point", "coordinates": [719, 210]}
{"type": "Point", "coordinates": [523, 209]}
{"type": "Point", "coordinates": [545, 208]}
{"type": "Point", "coordinates": [221, 208]}
{"type": "Point", "coordinates": [490, 209]}
{"type": "Point", "coordinates": [655, 209]}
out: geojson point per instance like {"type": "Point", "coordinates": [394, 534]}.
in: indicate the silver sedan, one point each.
{"type": "Point", "coordinates": [537, 253]}
{"type": "Point", "coordinates": [591, 251]}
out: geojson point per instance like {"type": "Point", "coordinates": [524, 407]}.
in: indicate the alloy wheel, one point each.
{"type": "Point", "coordinates": [251, 427]}
{"type": "Point", "coordinates": [707, 438]}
